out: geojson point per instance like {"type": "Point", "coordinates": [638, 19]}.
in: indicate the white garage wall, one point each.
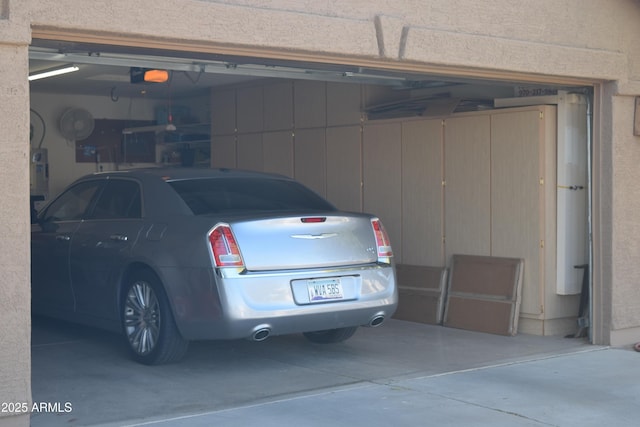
{"type": "Point", "coordinates": [310, 158]}
{"type": "Point", "coordinates": [422, 172]}
{"type": "Point", "coordinates": [467, 164]}
{"type": "Point", "coordinates": [63, 168]}
{"type": "Point", "coordinates": [382, 178]}
{"type": "Point", "coordinates": [304, 129]}
{"type": "Point", "coordinates": [344, 167]}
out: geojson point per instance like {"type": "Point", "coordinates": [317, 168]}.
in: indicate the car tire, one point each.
{"type": "Point", "coordinates": [147, 322]}
{"type": "Point", "coordinates": [330, 336]}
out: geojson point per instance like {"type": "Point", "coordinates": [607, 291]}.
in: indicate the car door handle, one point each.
{"type": "Point", "coordinates": [119, 237]}
{"type": "Point", "coordinates": [63, 237]}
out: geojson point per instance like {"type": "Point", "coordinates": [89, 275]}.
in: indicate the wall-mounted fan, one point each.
{"type": "Point", "coordinates": [76, 124]}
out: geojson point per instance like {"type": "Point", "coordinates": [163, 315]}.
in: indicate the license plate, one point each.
{"type": "Point", "coordinates": [324, 290]}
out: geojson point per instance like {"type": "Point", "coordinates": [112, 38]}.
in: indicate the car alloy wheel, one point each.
{"type": "Point", "coordinates": [142, 320]}
{"type": "Point", "coordinates": [148, 323]}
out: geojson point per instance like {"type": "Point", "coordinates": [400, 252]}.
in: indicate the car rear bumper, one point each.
{"type": "Point", "coordinates": [255, 305]}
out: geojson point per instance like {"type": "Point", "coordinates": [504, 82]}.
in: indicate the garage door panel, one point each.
{"type": "Point", "coordinates": [422, 198]}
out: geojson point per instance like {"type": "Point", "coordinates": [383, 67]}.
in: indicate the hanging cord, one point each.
{"type": "Point", "coordinates": [44, 127]}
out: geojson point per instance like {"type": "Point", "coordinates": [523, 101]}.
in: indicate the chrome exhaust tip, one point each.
{"type": "Point", "coordinates": [376, 320]}
{"type": "Point", "coordinates": [261, 334]}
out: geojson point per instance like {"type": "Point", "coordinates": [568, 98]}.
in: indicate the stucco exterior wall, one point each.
{"type": "Point", "coordinates": [566, 39]}
{"type": "Point", "coordinates": [625, 289]}
{"type": "Point", "coordinates": [15, 316]}
{"type": "Point", "coordinates": [569, 41]}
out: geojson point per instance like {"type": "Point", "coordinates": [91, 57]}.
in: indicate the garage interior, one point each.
{"type": "Point", "coordinates": [464, 172]}
{"type": "Point", "coordinates": [454, 167]}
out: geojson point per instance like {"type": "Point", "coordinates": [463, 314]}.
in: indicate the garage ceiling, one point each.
{"type": "Point", "coordinates": [104, 70]}
{"type": "Point", "coordinates": [109, 74]}
{"type": "Point", "coordinates": [107, 80]}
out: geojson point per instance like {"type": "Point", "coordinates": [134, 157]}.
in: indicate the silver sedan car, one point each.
{"type": "Point", "coordinates": [167, 256]}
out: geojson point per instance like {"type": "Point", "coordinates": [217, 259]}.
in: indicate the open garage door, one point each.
{"type": "Point", "coordinates": [448, 171]}
{"type": "Point", "coordinates": [421, 150]}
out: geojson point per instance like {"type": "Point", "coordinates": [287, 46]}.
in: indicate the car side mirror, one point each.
{"type": "Point", "coordinates": [47, 225]}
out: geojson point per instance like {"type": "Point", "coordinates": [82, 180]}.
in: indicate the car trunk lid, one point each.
{"type": "Point", "coordinates": [311, 241]}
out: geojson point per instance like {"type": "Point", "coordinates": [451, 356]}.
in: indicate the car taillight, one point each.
{"type": "Point", "coordinates": [224, 247]}
{"type": "Point", "coordinates": [382, 239]}
{"type": "Point", "coordinates": [313, 219]}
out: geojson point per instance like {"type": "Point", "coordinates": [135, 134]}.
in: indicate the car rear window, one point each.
{"type": "Point", "coordinates": [246, 195]}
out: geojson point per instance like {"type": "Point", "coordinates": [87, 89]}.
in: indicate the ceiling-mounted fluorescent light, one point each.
{"type": "Point", "coordinates": [53, 72]}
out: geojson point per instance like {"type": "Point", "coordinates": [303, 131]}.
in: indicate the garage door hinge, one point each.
{"type": "Point", "coordinates": [541, 244]}
{"type": "Point", "coordinates": [541, 181]}
{"type": "Point", "coordinates": [444, 183]}
{"type": "Point", "coordinates": [541, 115]}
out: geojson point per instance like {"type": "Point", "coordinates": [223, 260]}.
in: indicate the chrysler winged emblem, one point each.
{"type": "Point", "coordinates": [314, 236]}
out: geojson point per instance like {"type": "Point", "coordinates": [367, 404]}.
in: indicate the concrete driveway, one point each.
{"type": "Point", "coordinates": [399, 373]}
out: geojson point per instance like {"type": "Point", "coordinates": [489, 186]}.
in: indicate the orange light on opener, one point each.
{"type": "Point", "coordinates": [156, 76]}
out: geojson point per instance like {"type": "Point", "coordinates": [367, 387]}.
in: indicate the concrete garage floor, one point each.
{"type": "Point", "coordinates": [401, 374]}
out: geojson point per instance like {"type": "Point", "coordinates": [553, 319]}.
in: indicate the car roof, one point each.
{"type": "Point", "coordinates": [154, 180]}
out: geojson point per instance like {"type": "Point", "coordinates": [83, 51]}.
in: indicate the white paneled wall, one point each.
{"type": "Point", "coordinates": [382, 177]}
{"type": "Point", "coordinates": [310, 104]}
{"type": "Point", "coordinates": [467, 175]}
{"type": "Point", "coordinates": [308, 130]}
{"type": "Point", "coordinates": [250, 151]}
{"type": "Point", "coordinates": [250, 109]}
{"type": "Point", "coordinates": [310, 159]}
{"type": "Point", "coordinates": [277, 152]}
{"type": "Point", "coordinates": [278, 106]}
{"type": "Point", "coordinates": [422, 193]}
{"type": "Point", "coordinates": [344, 167]}
{"type": "Point", "coordinates": [517, 213]}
